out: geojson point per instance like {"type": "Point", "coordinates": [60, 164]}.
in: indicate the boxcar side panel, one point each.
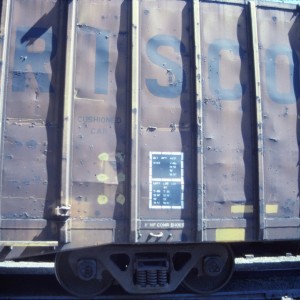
{"type": "Point", "coordinates": [100, 124]}
{"type": "Point", "coordinates": [148, 121]}
{"type": "Point", "coordinates": [279, 44]}
{"type": "Point", "coordinates": [167, 122]}
{"type": "Point", "coordinates": [229, 128]}
{"type": "Point", "coordinates": [33, 93]}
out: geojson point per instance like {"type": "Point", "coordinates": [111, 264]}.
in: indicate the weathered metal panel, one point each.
{"type": "Point", "coordinates": [167, 119]}
{"type": "Point", "coordinates": [33, 100]}
{"type": "Point", "coordinates": [176, 121]}
{"type": "Point", "coordinates": [279, 44]}
{"type": "Point", "coordinates": [100, 122]}
{"type": "Point", "coordinates": [229, 136]}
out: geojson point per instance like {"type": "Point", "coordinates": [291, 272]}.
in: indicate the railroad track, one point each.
{"type": "Point", "coordinates": [254, 278]}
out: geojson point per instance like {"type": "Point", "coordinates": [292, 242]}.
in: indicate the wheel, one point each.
{"type": "Point", "coordinates": [212, 272]}
{"type": "Point", "coordinates": [81, 275]}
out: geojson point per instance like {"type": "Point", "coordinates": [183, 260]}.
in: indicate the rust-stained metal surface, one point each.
{"type": "Point", "coordinates": [229, 135]}
{"type": "Point", "coordinates": [101, 118]}
{"type": "Point", "coordinates": [148, 121]}
{"type": "Point", "coordinates": [32, 103]}
{"type": "Point", "coordinates": [280, 52]}
{"type": "Point", "coordinates": [167, 147]}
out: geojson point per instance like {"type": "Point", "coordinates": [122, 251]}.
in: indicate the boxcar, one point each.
{"type": "Point", "coordinates": [148, 141]}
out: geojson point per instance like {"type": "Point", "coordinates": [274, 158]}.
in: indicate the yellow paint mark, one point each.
{"type": "Point", "coordinates": [271, 208]}
{"type": "Point", "coordinates": [102, 177]}
{"type": "Point", "coordinates": [103, 156]}
{"type": "Point", "coordinates": [242, 209]}
{"type": "Point", "coordinates": [102, 199]}
{"type": "Point", "coordinates": [230, 234]}
{"type": "Point", "coordinates": [121, 199]}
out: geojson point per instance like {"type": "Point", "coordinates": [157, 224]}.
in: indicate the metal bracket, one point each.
{"type": "Point", "coordinates": [62, 211]}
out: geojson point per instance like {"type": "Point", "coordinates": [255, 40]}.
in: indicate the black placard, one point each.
{"type": "Point", "coordinates": [166, 166]}
{"type": "Point", "coordinates": [166, 180]}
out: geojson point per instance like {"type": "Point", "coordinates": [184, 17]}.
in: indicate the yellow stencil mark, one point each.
{"type": "Point", "coordinates": [102, 199]}
{"type": "Point", "coordinates": [271, 208]}
{"type": "Point", "coordinates": [102, 177]}
{"type": "Point", "coordinates": [242, 209]}
{"type": "Point", "coordinates": [230, 234]}
{"type": "Point", "coordinates": [121, 199]}
{"type": "Point", "coordinates": [103, 156]}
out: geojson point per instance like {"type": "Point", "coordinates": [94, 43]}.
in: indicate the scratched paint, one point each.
{"type": "Point", "coordinates": [33, 109]}
{"type": "Point", "coordinates": [93, 168]}
{"type": "Point", "coordinates": [280, 92]}
{"type": "Point", "coordinates": [100, 123]}
{"type": "Point", "coordinates": [228, 142]}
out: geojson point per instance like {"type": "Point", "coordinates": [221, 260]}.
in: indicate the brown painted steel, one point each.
{"type": "Point", "coordinates": [229, 139]}
{"type": "Point", "coordinates": [167, 121]}
{"type": "Point", "coordinates": [31, 137]}
{"type": "Point", "coordinates": [116, 128]}
{"type": "Point", "coordinates": [279, 50]}
{"type": "Point", "coordinates": [100, 125]}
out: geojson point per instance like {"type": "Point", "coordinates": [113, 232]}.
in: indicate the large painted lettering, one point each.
{"type": "Point", "coordinates": [31, 58]}
{"type": "Point", "coordinates": [214, 51]}
{"type": "Point", "coordinates": [102, 62]}
{"type": "Point", "coordinates": [27, 55]}
{"type": "Point", "coordinates": [276, 96]}
{"type": "Point", "coordinates": [177, 83]}
{"type": "Point", "coordinates": [101, 57]}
